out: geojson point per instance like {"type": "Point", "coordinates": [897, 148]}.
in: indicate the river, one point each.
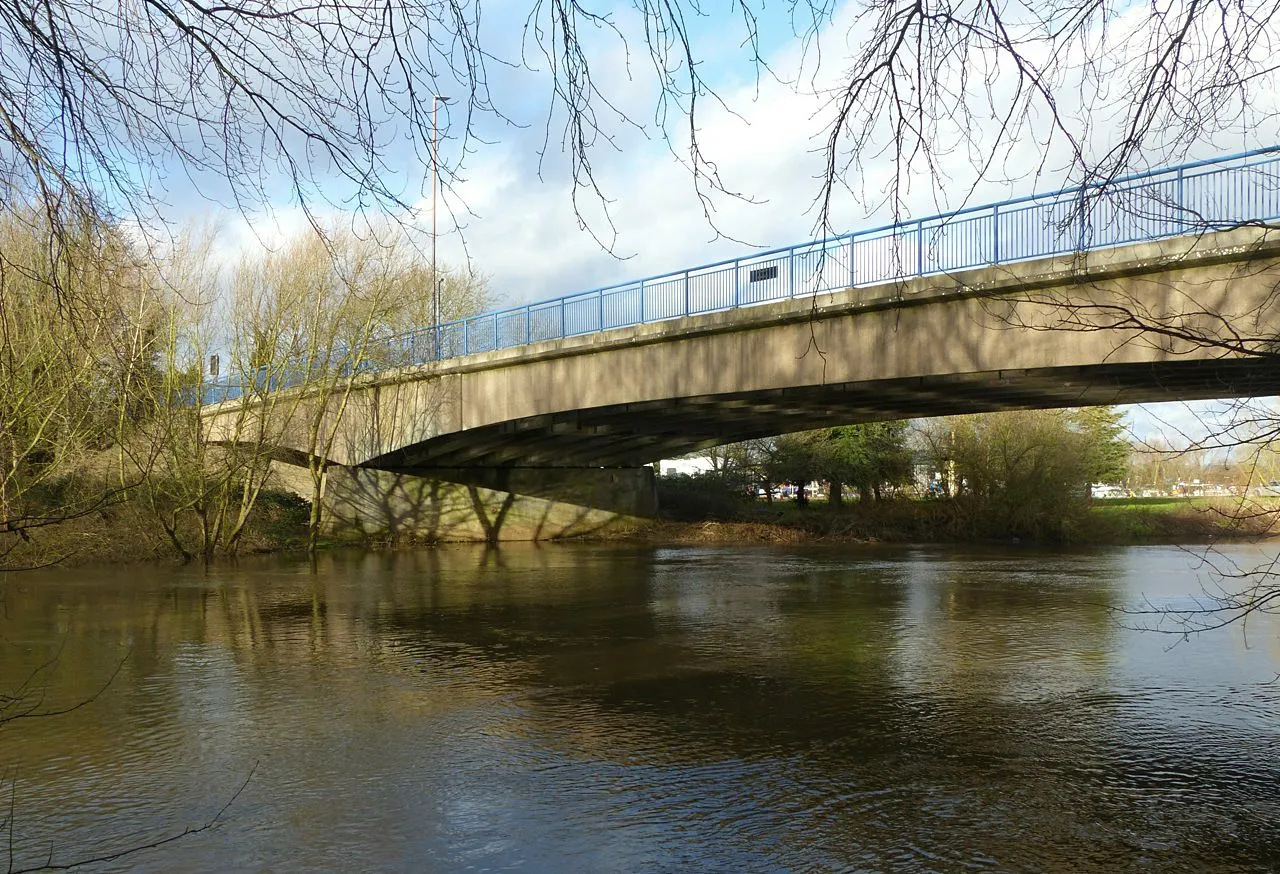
{"type": "Point", "coordinates": [622, 708]}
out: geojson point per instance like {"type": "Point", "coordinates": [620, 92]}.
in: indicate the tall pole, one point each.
{"type": "Point", "coordinates": [436, 100]}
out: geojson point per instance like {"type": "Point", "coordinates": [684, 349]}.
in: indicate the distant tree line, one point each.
{"type": "Point", "coordinates": [1021, 473]}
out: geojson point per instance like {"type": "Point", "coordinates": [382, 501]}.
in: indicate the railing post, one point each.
{"type": "Point", "coordinates": [641, 301]}
{"type": "Point", "coordinates": [1181, 205]}
{"type": "Point", "coordinates": [600, 308]}
{"type": "Point", "coordinates": [920, 248]}
{"type": "Point", "coordinates": [1080, 232]}
{"type": "Point", "coordinates": [686, 292]}
{"type": "Point", "coordinates": [562, 331]}
{"type": "Point", "coordinates": [496, 341]}
{"type": "Point", "coordinates": [791, 271]}
{"type": "Point", "coordinates": [528, 324]}
{"type": "Point", "coordinates": [995, 234]}
{"type": "Point", "coordinates": [853, 265]}
{"type": "Point", "coordinates": [737, 279]}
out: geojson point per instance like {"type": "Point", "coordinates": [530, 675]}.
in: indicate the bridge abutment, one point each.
{"type": "Point", "coordinates": [478, 504]}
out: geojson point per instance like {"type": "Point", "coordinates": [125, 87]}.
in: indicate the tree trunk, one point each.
{"type": "Point", "coordinates": [317, 494]}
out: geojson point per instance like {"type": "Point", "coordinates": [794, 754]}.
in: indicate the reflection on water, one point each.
{"type": "Point", "coordinates": [623, 709]}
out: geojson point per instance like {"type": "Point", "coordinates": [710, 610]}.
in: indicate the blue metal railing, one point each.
{"type": "Point", "coordinates": [1189, 198]}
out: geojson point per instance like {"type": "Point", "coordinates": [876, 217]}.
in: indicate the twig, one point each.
{"type": "Point", "coordinates": [50, 865]}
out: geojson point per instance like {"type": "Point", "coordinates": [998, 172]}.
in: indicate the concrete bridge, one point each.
{"type": "Point", "coordinates": [549, 438]}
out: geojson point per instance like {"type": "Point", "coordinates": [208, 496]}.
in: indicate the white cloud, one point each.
{"type": "Point", "coordinates": [266, 231]}
{"type": "Point", "coordinates": [767, 145]}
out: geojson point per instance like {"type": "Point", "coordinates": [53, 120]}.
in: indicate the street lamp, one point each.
{"type": "Point", "coordinates": [436, 100]}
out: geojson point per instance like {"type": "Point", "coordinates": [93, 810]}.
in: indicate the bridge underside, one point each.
{"type": "Point", "coordinates": [628, 435]}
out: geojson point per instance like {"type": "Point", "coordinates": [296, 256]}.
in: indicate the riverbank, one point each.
{"type": "Point", "coordinates": [1111, 522]}
{"type": "Point", "coordinates": [127, 531]}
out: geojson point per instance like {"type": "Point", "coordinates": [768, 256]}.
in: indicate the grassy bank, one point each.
{"type": "Point", "coordinates": [1138, 520]}
{"type": "Point", "coordinates": [1171, 520]}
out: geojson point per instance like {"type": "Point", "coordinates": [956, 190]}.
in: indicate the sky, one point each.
{"type": "Point", "coordinates": [506, 209]}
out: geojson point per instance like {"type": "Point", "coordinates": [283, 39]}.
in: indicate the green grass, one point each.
{"type": "Point", "coordinates": [1168, 502]}
{"type": "Point", "coordinates": [1110, 521]}
{"type": "Point", "coordinates": [1173, 519]}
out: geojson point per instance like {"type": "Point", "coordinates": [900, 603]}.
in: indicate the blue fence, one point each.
{"type": "Point", "coordinates": [1189, 198]}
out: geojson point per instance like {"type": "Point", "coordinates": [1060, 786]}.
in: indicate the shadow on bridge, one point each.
{"type": "Point", "coordinates": [479, 505]}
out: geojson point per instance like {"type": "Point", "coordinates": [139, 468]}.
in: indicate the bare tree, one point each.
{"type": "Point", "coordinates": [1186, 315]}
{"type": "Point", "coordinates": [202, 491]}
{"type": "Point", "coordinates": [103, 104]}
{"type": "Point", "coordinates": [1089, 90]}
{"type": "Point", "coordinates": [72, 369]}
{"type": "Point", "coordinates": [1024, 473]}
{"type": "Point", "coordinates": [311, 318]}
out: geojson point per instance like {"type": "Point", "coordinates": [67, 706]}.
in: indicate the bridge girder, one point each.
{"type": "Point", "coordinates": [628, 435]}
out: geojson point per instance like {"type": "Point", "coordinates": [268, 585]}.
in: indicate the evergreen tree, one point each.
{"type": "Point", "coordinates": [1106, 442]}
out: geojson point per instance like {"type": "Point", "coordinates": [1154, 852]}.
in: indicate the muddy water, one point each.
{"type": "Point", "coordinates": [626, 709]}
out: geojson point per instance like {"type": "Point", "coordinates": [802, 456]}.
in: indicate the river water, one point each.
{"type": "Point", "coordinates": [606, 708]}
